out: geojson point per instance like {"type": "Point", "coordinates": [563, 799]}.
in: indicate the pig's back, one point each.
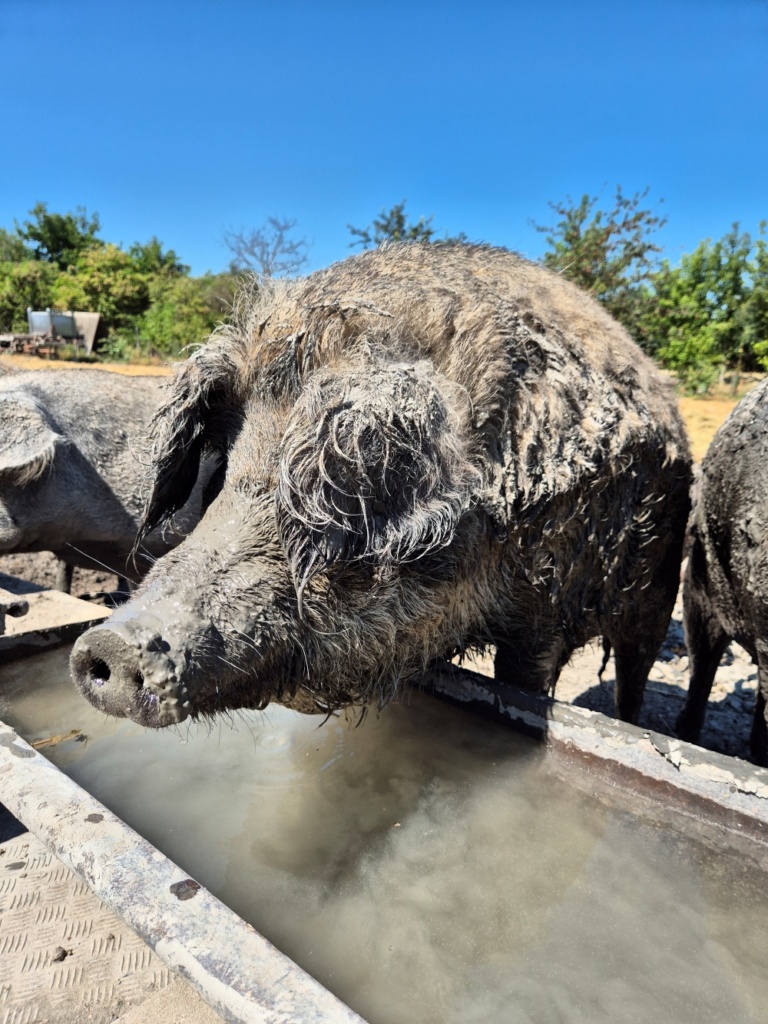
{"type": "Point", "coordinates": [556, 386]}
{"type": "Point", "coordinates": [105, 416]}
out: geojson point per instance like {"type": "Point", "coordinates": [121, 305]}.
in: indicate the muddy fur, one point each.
{"type": "Point", "coordinates": [726, 585]}
{"type": "Point", "coordinates": [428, 449]}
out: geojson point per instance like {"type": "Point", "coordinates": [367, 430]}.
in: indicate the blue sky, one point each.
{"type": "Point", "coordinates": [184, 120]}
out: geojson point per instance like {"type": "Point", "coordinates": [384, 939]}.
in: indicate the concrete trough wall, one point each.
{"type": "Point", "coordinates": [704, 794]}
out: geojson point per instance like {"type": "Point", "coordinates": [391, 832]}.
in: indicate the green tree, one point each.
{"type": "Point", "coordinates": [755, 309]}
{"type": "Point", "coordinates": [705, 320]}
{"type": "Point", "coordinates": [105, 280]}
{"type": "Point", "coordinates": [680, 325]}
{"type": "Point", "coordinates": [150, 258]}
{"type": "Point", "coordinates": [145, 295]}
{"type": "Point", "coordinates": [393, 226]}
{"type": "Point", "coordinates": [60, 238]}
{"type": "Point", "coordinates": [12, 248]}
{"type": "Point", "coordinates": [182, 312]}
{"type": "Point", "coordinates": [220, 292]}
{"type": "Point", "coordinates": [730, 274]}
{"type": "Point", "coordinates": [609, 254]}
{"type": "Point", "coordinates": [23, 284]}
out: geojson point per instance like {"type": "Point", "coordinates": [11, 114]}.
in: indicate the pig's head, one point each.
{"type": "Point", "coordinates": [332, 559]}
{"type": "Point", "coordinates": [28, 442]}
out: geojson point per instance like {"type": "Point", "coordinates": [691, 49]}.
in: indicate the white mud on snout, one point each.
{"type": "Point", "coordinates": [425, 866]}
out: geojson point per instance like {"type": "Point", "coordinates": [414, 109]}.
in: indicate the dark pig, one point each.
{"type": "Point", "coordinates": [428, 448]}
{"type": "Point", "coordinates": [725, 594]}
{"type": "Point", "coordinates": [75, 468]}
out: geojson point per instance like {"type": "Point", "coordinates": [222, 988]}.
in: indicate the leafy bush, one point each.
{"type": "Point", "coordinates": [28, 283]}
{"type": "Point", "coordinates": [179, 315]}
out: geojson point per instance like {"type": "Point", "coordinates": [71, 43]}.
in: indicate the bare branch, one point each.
{"type": "Point", "coordinates": [267, 251]}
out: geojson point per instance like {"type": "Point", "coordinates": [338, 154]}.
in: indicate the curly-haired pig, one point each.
{"type": "Point", "coordinates": [725, 592]}
{"type": "Point", "coordinates": [75, 468]}
{"type": "Point", "coordinates": [426, 448]}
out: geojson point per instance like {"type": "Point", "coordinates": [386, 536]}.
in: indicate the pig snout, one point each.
{"type": "Point", "coordinates": [130, 674]}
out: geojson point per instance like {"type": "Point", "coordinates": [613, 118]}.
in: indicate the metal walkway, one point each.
{"type": "Point", "coordinates": [65, 958]}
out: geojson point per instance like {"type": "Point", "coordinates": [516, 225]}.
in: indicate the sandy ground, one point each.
{"type": "Point", "coordinates": [22, 362]}
{"type": "Point", "coordinates": [730, 708]}
{"type": "Point", "coordinates": [702, 417]}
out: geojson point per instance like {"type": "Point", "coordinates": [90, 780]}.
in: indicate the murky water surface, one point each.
{"type": "Point", "coordinates": [425, 866]}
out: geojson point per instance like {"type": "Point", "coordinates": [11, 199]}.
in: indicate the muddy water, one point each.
{"type": "Point", "coordinates": [425, 866]}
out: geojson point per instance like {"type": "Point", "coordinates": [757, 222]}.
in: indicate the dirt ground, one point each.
{"type": "Point", "coordinates": [730, 707]}
{"type": "Point", "coordinates": [22, 362]}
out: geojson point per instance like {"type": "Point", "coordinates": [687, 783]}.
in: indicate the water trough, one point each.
{"type": "Point", "coordinates": [397, 862]}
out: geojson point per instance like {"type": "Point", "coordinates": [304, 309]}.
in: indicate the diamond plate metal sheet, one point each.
{"type": "Point", "coordinates": [64, 957]}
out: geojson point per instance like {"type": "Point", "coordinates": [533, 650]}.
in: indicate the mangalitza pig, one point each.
{"type": "Point", "coordinates": [428, 448]}
{"type": "Point", "coordinates": [725, 595]}
{"type": "Point", "coordinates": [75, 468]}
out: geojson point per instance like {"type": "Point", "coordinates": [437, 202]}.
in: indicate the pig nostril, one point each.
{"type": "Point", "coordinates": [100, 672]}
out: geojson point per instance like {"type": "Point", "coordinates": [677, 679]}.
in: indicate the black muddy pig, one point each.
{"type": "Point", "coordinates": [75, 468]}
{"type": "Point", "coordinates": [725, 593]}
{"type": "Point", "coordinates": [427, 448]}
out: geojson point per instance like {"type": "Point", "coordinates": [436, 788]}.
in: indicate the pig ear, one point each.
{"type": "Point", "coordinates": [27, 439]}
{"type": "Point", "coordinates": [372, 465]}
{"type": "Point", "coordinates": [182, 427]}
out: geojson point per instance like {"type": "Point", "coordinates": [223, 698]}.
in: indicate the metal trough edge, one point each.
{"type": "Point", "coordinates": [688, 785]}
{"type": "Point", "coordinates": [238, 972]}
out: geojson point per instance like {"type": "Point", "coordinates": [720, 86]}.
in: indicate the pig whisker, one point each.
{"type": "Point", "coordinates": [176, 728]}
{"type": "Point", "coordinates": [249, 648]}
{"type": "Point", "coordinates": [92, 559]}
{"type": "Point", "coordinates": [243, 646]}
{"type": "Point", "coordinates": [226, 717]}
{"type": "Point", "coordinates": [213, 725]}
{"type": "Point", "coordinates": [247, 641]}
{"type": "Point", "coordinates": [219, 718]}
{"type": "Point", "coordinates": [240, 714]}
{"type": "Point", "coordinates": [237, 668]}
{"type": "Point", "coordinates": [341, 631]}
{"type": "Point", "coordinates": [146, 555]}
{"type": "Point", "coordinates": [236, 717]}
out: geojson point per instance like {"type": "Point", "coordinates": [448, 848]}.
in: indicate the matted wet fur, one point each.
{"type": "Point", "coordinates": [725, 596]}
{"type": "Point", "coordinates": [429, 448]}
